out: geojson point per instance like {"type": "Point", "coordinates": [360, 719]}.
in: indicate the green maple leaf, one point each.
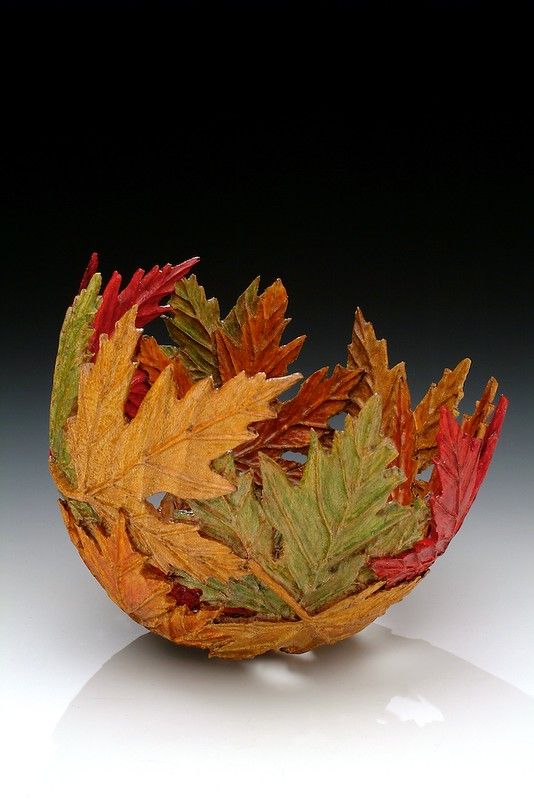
{"type": "Point", "coordinates": [314, 537]}
{"type": "Point", "coordinates": [248, 592]}
{"type": "Point", "coordinates": [72, 353]}
{"type": "Point", "coordinates": [191, 325]}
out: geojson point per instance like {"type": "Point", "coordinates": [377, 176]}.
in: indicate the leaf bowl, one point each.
{"type": "Point", "coordinates": [221, 517]}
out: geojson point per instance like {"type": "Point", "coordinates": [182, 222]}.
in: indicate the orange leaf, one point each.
{"type": "Point", "coordinates": [447, 392]}
{"type": "Point", "coordinates": [370, 354]}
{"type": "Point", "coordinates": [120, 569]}
{"type": "Point", "coordinates": [259, 331]}
{"type": "Point", "coordinates": [319, 398]}
{"type": "Point", "coordinates": [475, 424]}
{"type": "Point", "coordinates": [153, 359]}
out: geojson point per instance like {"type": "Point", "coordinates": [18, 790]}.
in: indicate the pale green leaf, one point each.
{"type": "Point", "coordinates": [191, 325]}
{"type": "Point", "coordinates": [72, 353]}
{"type": "Point", "coordinates": [247, 592]}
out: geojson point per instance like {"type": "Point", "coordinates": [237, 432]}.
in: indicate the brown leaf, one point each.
{"type": "Point", "coordinates": [403, 436]}
{"type": "Point", "coordinates": [153, 360]}
{"type": "Point", "coordinates": [475, 424]}
{"type": "Point", "coordinates": [447, 392]}
{"type": "Point", "coordinates": [320, 397]}
{"type": "Point", "coordinates": [370, 354]}
{"type": "Point", "coordinates": [258, 328]}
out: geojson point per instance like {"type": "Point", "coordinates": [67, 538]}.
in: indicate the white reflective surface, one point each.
{"type": "Point", "coordinates": [94, 707]}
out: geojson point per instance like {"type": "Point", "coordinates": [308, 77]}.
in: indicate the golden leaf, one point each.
{"type": "Point", "coordinates": [475, 423]}
{"type": "Point", "coordinates": [145, 596]}
{"type": "Point", "coordinates": [171, 443]}
{"type": "Point", "coordinates": [371, 355]}
{"type": "Point", "coordinates": [167, 447]}
{"type": "Point", "coordinates": [447, 392]}
{"type": "Point", "coordinates": [247, 639]}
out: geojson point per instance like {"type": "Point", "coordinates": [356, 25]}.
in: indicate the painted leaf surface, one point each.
{"type": "Point", "coordinates": [245, 595]}
{"type": "Point", "coordinates": [402, 432]}
{"type": "Point", "coordinates": [177, 548]}
{"type": "Point", "coordinates": [120, 569]}
{"type": "Point", "coordinates": [72, 353]}
{"type": "Point", "coordinates": [191, 325]}
{"type": "Point", "coordinates": [461, 465]}
{"type": "Point", "coordinates": [149, 598]}
{"type": "Point", "coordinates": [90, 270]}
{"type": "Point", "coordinates": [144, 291]}
{"type": "Point", "coordinates": [339, 508]}
{"type": "Point", "coordinates": [238, 640]}
{"type": "Point", "coordinates": [370, 354]}
{"type": "Point", "coordinates": [152, 360]}
{"type": "Point", "coordinates": [447, 392]}
{"type": "Point", "coordinates": [313, 538]}
{"type": "Point", "coordinates": [476, 423]}
{"type": "Point", "coordinates": [167, 447]}
{"type": "Point", "coordinates": [250, 337]}
{"type": "Point", "coordinates": [319, 398]}
{"type": "Point", "coordinates": [171, 442]}
{"type": "Point", "coordinates": [236, 519]}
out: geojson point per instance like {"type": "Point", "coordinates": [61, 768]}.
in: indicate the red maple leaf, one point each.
{"type": "Point", "coordinates": [460, 468]}
{"type": "Point", "coordinates": [144, 290]}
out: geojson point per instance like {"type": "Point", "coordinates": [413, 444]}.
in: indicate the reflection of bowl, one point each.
{"type": "Point", "coordinates": [183, 479]}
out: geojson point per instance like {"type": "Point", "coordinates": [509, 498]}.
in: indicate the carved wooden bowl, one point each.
{"type": "Point", "coordinates": [220, 517]}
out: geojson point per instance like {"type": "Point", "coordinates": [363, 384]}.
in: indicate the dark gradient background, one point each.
{"type": "Point", "coordinates": [418, 210]}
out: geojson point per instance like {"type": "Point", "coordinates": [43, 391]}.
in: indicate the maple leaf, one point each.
{"type": "Point", "coordinates": [153, 359]}
{"type": "Point", "coordinates": [476, 423]}
{"type": "Point", "coordinates": [139, 386]}
{"type": "Point", "coordinates": [319, 398]}
{"type": "Point", "coordinates": [446, 393]}
{"type": "Point", "coordinates": [247, 594]}
{"type": "Point", "coordinates": [461, 466]}
{"type": "Point", "coordinates": [238, 640]}
{"type": "Point", "coordinates": [144, 291]}
{"type": "Point", "coordinates": [339, 508]}
{"type": "Point", "coordinates": [168, 447]}
{"type": "Point", "coordinates": [402, 433]}
{"type": "Point", "coordinates": [370, 354]}
{"type": "Point", "coordinates": [191, 326]}
{"type": "Point", "coordinates": [249, 338]}
{"type": "Point", "coordinates": [326, 523]}
{"type": "Point", "coordinates": [120, 569]}
{"type": "Point", "coordinates": [72, 353]}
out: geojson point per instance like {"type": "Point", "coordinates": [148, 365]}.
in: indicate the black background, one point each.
{"type": "Point", "coordinates": [357, 185]}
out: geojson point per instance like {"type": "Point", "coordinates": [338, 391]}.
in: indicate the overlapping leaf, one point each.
{"type": "Point", "coordinates": [319, 398]}
{"type": "Point", "coordinates": [120, 569]}
{"type": "Point", "coordinates": [145, 291]}
{"type": "Point", "coordinates": [312, 538]}
{"type": "Point", "coordinates": [191, 325]}
{"type": "Point", "coordinates": [73, 351]}
{"type": "Point", "coordinates": [447, 393]}
{"type": "Point", "coordinates": [249, 339]}
{"type": "Point", "coordinates": [167, 447]}
{"type": "Point", "coordinates": [461, 466]}
{"type": "Point", "coordinates": [370, 354]}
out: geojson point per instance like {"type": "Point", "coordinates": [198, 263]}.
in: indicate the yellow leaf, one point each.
{"type": "Point", "coordinates": [167, 447]}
